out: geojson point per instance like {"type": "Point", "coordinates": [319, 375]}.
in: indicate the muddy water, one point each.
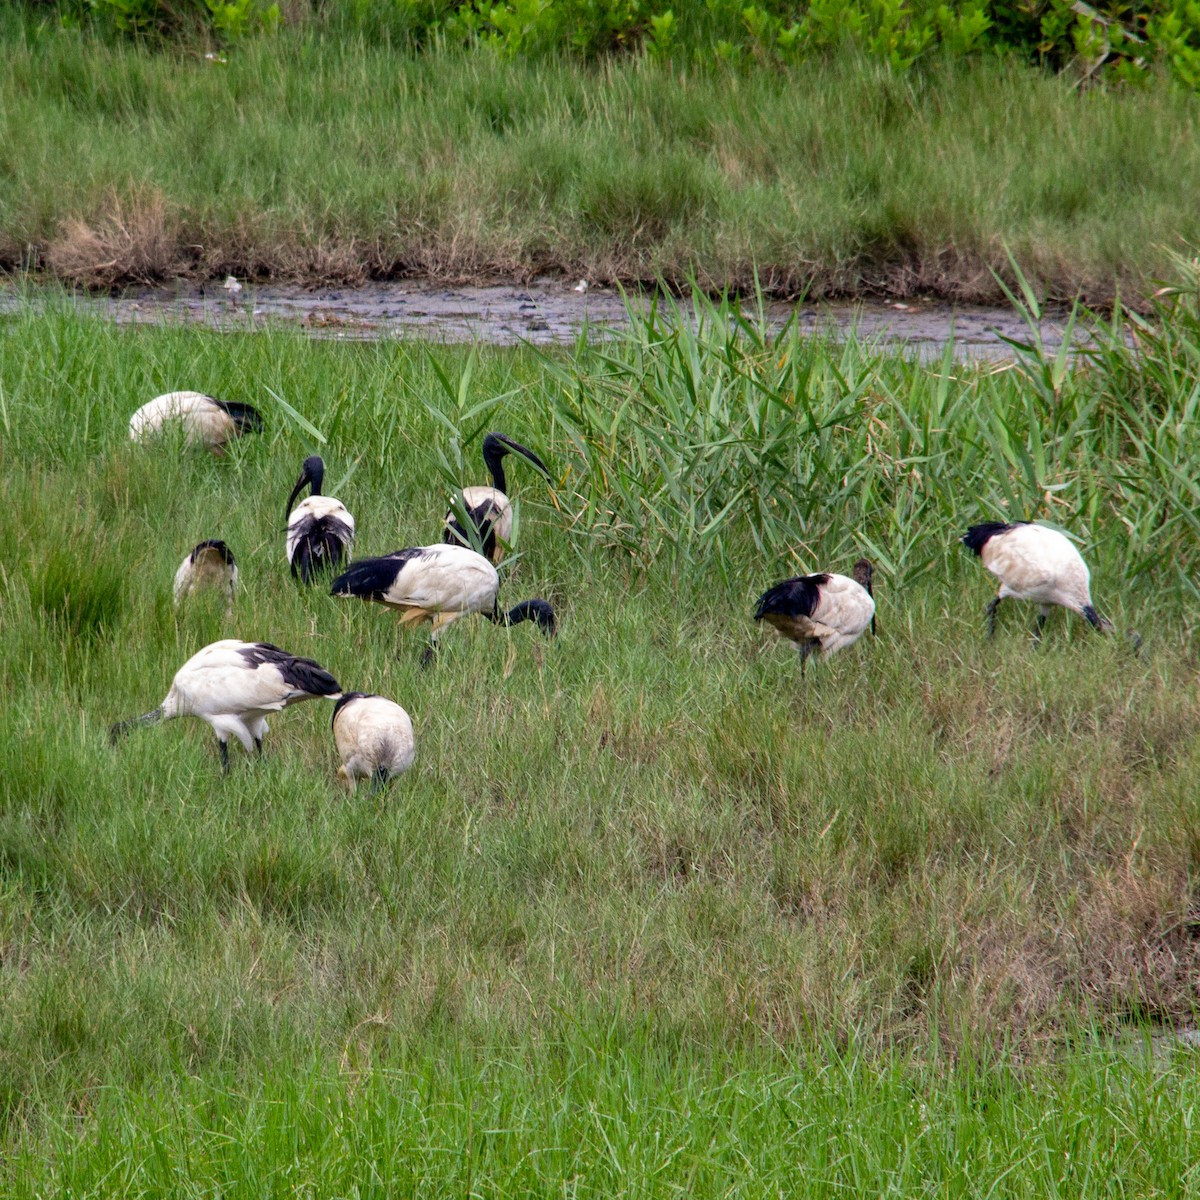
{"type": "Point", "coordinates": [542, 313]}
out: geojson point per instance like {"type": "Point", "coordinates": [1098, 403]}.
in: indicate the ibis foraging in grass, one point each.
{"type": "Point", "coordinates": [488, 508]}
{"type": "Point", "coordinates": [210, 565]}
{"type": "Point", "coordinates": [374, 737]}
{"type": "Point", "coordinates": [233, 686]}
{"type": "Point", "coordinates": [823, 612]}
{"type": "Point", "coordinates": [204, 419]}
{"type": "Point", "coordinates": [1034, 562]}
{"type": "Point", "coordinates": [439, 584]}
{"type": "Point", "coordinates": [319, 528]}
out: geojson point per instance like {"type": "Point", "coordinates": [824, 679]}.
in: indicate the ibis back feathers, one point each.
{"type": "Point", "coordinates": [374, 737]}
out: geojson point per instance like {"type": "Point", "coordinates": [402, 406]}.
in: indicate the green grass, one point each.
{"type": "Point", "coordinates": [613, 1112]}
{"type": "Point", "coordinates": [641, 881]}
{"type": "Point", "coordinates": [327, 160]}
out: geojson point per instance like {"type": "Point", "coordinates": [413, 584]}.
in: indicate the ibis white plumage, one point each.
{"type": "Point", "coordinates": [320, 529]}
{"type": "Point", "coordinates": [438, 584]}
{"type": "Point", "coordinates": [1034, 562]}
{"type": "Point", "coordinates": [232, 686]}
{"type": "Point", "coordinates": [209, 565]}
{"type": "Point", "coordinates": [821, 613]}
{"type": "Point", "coordinates": [374, 737]}
{"type": "Point", "coordinates": [488, 508]}
{"type": "Point", "coordinates": [204, 420]}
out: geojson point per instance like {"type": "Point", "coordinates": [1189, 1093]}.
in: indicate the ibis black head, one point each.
{"type": "Point", "coordinates": [863, 573]}
{"type": "Point", "coordinates": [539, 611]}
{"type": "Point", "coordinates": [496, 446]}
{"type": "Point", "coordinates": [312, 473]}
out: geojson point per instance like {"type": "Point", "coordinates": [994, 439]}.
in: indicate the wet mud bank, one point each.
{"type": "Point", "coordinates": [546, 312]}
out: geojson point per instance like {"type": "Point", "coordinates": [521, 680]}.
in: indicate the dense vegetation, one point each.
{"type": "Point", "coordinates": [1111, 39]}
{"type": "Point", "coordinates": [337, 160]}
{"type": "Point", "coordinates": [649, 913]}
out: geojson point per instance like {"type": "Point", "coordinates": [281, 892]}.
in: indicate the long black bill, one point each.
{"type": "Point", "coordinates": [121, 728]}
{"type": "Point", "coordinates": [313, 472]}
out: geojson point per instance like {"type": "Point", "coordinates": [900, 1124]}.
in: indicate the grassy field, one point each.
{"type": "Point", "coordinates": [300, 158]}
{"type": "Point", "coordinates": [649, 913]}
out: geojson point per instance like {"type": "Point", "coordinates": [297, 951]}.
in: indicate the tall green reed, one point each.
{"type": "Point", "coordinates": [698, 434]}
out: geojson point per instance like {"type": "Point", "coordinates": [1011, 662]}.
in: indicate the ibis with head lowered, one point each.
{"type": "Point", "coordinates": [209, 565]}
{"type": "Point", "coordinates": [1034, 562]}
{"type": "Point", "coordinates": [821, 613]}
{"type": "Point", "coordinates": [205, 420]}
{"type": "Point", "coordinates": [232, 686]}
{"type": "Point", "coordinates": [374, 737]}
{"type": "Point", "coordinates": [438, 584]}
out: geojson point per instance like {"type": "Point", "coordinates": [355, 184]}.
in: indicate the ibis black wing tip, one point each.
{"type": "Point", "coordinates": [979, 535]}
{"type": "Point", "coordinates": [792, 598]}
{"type": "Point", "coordinates": [246, 417]}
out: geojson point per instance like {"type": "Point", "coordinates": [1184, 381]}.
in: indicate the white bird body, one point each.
{"type": "Point", "coordinates": [210, 565]}
{"type": "Point", "coordinates": [821, 613]}
{"type": "Point", "coordinates": [488, 508]}
{"type": "Point", "coordinates": [320, 528]}
{"type": "Point", "coordinates": [374, 737]}
{"type": "Point", "coordinates": [439, 584]}
{"type": "Point", "coordinates": [233, 685]}
{"type": "Point", "coordinates": [1034, 562]}
{"type": "Point", "coordinates": [204, 419]}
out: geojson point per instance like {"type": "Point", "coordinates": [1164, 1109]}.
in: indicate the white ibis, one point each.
{"type": "Point", "coordinates": [1034, 562]}
{"type": "Point", "coordinates": [210, 565]}
{"type": "Point", "coordinates": [233, 686]}
{"type": "Point", "coordinates": [319, 528]}
{"type": "Point", "coordinates": [439, 584]}
{"type": "Point", "coordinates": [821, 612]}
{"type": "Point", "coordinates": [374, 736]}
{"type": "Point", "coordinates": [489, 508]}
{"type": "Point", "coordinates": [204, 419]}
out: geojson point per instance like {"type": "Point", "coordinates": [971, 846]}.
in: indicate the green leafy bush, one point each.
{"type": "Point", "coordinates": [1112, 39]}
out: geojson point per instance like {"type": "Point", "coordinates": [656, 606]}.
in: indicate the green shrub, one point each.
{"type": "Point", "coordinates": [1110, 39]}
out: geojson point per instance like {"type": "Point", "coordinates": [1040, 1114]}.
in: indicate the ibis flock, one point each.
{"type": "Point", "coordinates": [233, 685]}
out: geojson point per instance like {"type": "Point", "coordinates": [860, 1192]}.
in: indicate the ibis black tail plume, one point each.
{"type": "Point", "coordinates": [121, 728]}
{"type": "Point", "coordinates": [246, 417]}
{"type": "Point", "coordinates": [979, 535]}
{"type": "Point", "coordinates": [319, 549]}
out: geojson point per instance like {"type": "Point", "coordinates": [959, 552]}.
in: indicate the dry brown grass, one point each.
{"type": "Point", "coordinates": [135, 238]}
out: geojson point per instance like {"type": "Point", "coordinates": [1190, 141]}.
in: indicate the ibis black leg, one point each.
{"type": "Point", "coordinates": [224, 757]}
{"type": "Point", "coordinates": [806, 648]}
{"type": "Point", "coordinates": [258, 743]}
{"type": "Point", "coordinates": [991, 616]}
{"type": "Point", "coordinates": [1038, 625]}
{"type": "Point", "coordinates": [429, 655]}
